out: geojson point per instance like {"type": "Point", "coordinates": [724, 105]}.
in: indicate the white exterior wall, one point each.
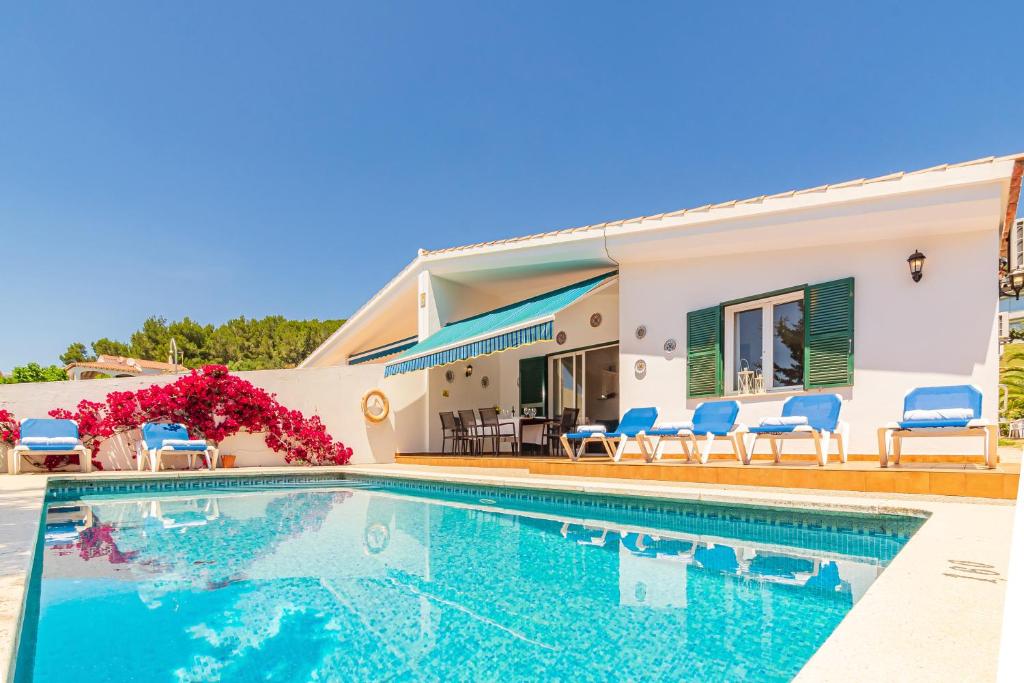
{"type": "Point", "coordinates": [941, 330]}
{"type": "Point", "coordinates": [333, 393]}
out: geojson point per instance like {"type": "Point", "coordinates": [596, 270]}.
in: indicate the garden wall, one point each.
{"type": "Point", "coordinates": [333, 393]}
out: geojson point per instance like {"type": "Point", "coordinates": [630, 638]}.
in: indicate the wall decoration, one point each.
{"type": "Point", "coordinates": [641, 331]}
{"type": "Point", "coordinates": [469, 371]}
{"type": "Point", "coordinates": [449, 376]}
{"type": "Point", "coordinates": [640, 369]}
{"type": "Point", "coordinates": [670, 345]}
{"type": "Point", "coordinates": [595, 320]}
{"type": "Point", "coordinates": [560, 338]}
{"type": "Point", "coordinates": [485, 382]}
{"type": "Point", "coordinates": [375, 406]}
{"type": "Point", "coordinates": [445, 394]}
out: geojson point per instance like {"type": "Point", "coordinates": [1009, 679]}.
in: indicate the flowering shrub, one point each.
{"type": "Point", "coordinates": [213, 404]}
{"type": "Point", "coordinates": [10, 428]}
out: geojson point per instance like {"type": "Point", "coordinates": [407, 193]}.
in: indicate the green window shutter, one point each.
{"type": "Point", "coordinates": [828, 343]}
{"type": "Point", "coordinates": [704, 352]}
{"type": "Point", "coordinates": [533, 379]}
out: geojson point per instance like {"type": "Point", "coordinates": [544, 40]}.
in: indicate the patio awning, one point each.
{"type": "Point", "coordinates": [518, 324]}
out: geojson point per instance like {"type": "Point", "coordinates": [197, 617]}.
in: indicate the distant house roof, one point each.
{"type": "Point", "coordinates": [121, 365]}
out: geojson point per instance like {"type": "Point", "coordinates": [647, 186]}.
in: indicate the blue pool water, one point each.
{"type": "Point", "coordinates": [375, 580]}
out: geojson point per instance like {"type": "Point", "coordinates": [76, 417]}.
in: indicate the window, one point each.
{"type": "Point", "coordinates": [783, 340]}
{"type": "Point", "coordinates": [764, 342]}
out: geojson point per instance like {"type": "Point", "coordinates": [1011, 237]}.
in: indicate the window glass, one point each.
{"type": "Point", "coordinates": [788, 344]}
{"type": "Point", "coordinates": [748, 345]}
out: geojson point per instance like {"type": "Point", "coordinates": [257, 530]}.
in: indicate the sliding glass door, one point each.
{"type": "Point", "coordinates": [587, 380]}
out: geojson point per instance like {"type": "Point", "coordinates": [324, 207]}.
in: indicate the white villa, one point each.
{"type": "Point", "coordinates": [760, 299]}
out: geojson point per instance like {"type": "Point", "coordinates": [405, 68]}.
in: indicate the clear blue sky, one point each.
{"type": "Point", "coordinates": [214, 159]}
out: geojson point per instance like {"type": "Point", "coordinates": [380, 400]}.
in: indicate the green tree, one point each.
{"type": "Point", "coordinates": [152, 341]}
{"type": "Point", "coordinates": [110, 347]}
{"type": "Point", "coordinates": [76, 353]}
{"type": "Point", "coordinates": [33, 372]}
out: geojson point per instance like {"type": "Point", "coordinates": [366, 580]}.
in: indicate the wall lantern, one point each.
{"type": "Point", "coordinates": [469, 371]}
{"type": "Point", "coordinates": [916, 263]}
{"type": "Point", "coordinates": [1012, 284]}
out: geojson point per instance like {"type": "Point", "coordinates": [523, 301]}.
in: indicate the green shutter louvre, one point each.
{"type": "Point", "coordinates": [704, 352]}
{"type": "Point", "coordinates": [828, 344]}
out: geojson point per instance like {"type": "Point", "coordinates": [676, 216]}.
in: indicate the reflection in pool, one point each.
{"type": "Point", "coordinates": [372, 581]}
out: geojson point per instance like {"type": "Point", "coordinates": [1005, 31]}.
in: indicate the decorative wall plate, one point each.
{"type": "Point", "coordinates": [641, 331]}
{"type": "Point", "coordinates": [595, 320]}
{"type": "Point", "coordinates": [485, 382]}
{"type": "Point", "coordinates": [375, 406]}
{"type": "Point", "coordinates": [640, 368]}
{"type": "Point", "coordinates": [560, 338]}
{"type": "Point", "coordinates": [670, 345]}
{"type": "Point", "coordinates": [449, 376]}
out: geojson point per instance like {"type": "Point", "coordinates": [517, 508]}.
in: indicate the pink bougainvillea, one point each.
{"type": "Point", "coordinates": [10, 427]}
{"type": "Point", "coordinates": [213, 404]}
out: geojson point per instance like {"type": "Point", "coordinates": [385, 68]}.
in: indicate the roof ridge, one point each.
{"type": "Point", "coordinates": [859, 182]}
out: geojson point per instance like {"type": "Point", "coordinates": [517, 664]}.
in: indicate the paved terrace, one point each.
{"type": "Point", "coordinates": [933, 615]}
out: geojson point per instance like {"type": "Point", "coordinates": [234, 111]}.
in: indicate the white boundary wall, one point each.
{"type": "Point", "coordinates": [332, 393]}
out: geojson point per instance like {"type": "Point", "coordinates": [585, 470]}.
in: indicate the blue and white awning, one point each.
{"type": "Point", "coordinates": [383, 351]}
{"type": "Point", "coordinates": [518, 324]}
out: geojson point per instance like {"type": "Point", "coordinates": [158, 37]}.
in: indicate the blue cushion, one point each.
{"type": "Point", "coordinates": [154, 433]}
{"type": "Point", "coordinates": [821, 410]}
{"type": "Point", "coordinates": [925, 424]}
{"type": "Point", "coordinates": [937, 398]}
{"type": "Point", "coordinates": [637, 420]}
{"type": "Point", "coordinates": [53, 447]}
{"type": "Point", "coordinates": [190, 445]}
{"type": "Point", "coordinates": [774, 429]}
{"type": "Point", "coordinates": [47, 426]}
{"type": "Point", "coordinates": [715, 417]}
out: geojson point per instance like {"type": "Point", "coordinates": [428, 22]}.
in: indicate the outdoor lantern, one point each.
{"type": "Point", "coordinates": [916, 263]}
{"type": "Point", "coordinates": [469, 370]}
{"type": "Point", "coordinates": [1013, 283]}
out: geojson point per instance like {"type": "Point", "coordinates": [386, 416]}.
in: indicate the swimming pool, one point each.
{"type": "Point", "coordinates": [374, 578]}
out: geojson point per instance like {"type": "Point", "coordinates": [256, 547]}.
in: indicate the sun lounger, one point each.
{"type": "Point", "coordinates": [939, 411]}
{"type": "Point", "coordinates": [812, 416]}
{"type": "Point", "coordinates": [160, 439]}
{"type": "Point", "coordinates": [633, 425]}
{"type": "Point", "coordinates": [48, 436]}
{"type": "Point", "coordinates": [710, 420]}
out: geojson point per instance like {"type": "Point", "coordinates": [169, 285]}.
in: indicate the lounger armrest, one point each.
{"type": "Point", "coordinates": [979, 422]}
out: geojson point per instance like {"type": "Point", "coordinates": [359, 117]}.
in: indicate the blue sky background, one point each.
{"type": "Point", "coordinates": [220, 159]}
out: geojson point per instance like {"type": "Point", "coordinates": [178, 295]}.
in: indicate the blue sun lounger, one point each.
{"type": "Point", "coordinates": [710, 420]}
{"type": "Point", "coordinates": [939, 411]}
{"type": "Point", "coordinates": [48, 436]}
{"type": "Point", "coordinates": [813, 416]}
{"type": "Point", "coordinates": [159, 439]}
{"type": "Point", "coordinates": [633, 425]}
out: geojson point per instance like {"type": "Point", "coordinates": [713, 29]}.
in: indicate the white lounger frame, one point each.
{"type": "Point", "coordinates": [606, 441]}
{"type": "Point", "coordinates": [155, 456]}
{"type": "Point", "coordinates": [689, 441]}
{"type": "Point", "coordinates": [890, 439]}
{"type": "Point", "coordinates": [14, 456]}
{"type": "Point", "coordinates": [822, 441]}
